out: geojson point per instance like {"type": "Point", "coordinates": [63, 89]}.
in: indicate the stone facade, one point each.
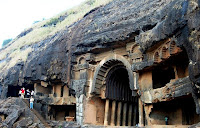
{"type": "Point", "coordinates": [159, 76]}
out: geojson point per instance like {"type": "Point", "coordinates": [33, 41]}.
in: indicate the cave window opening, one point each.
{"type": "Point", "coordinates": [172, 47]}
{"type": "Point", "coordinates": [156, 57]}
{"type": "Point", "coordinates": [162, 76]}
{"type": "Point", "coordinates": [165, 53]}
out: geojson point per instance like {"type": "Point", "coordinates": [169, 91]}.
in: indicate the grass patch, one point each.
{"type": "Point", "coordinates": [40, 32]}
{"type": "Point", "coordinates": [18, 56]}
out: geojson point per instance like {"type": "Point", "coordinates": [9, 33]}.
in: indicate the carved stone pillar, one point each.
{"type": "Point", "coordinates": [130, 114]}
{"type": "Point", "coordinates": [119, 108]}
{"type": "Point", "coordinates": [113, 113]}
{"type": "Point", "coordinates": [124, 114]}
{"type": "Point", "coordinates": [106, 112]}
{"type": "Point", "coordinates": [141, 112]}
{"type": "Point", "coordinates": [134, 114]}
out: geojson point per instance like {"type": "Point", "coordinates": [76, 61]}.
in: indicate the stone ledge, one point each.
{"type": "Point", "coordinates": [172, 90]}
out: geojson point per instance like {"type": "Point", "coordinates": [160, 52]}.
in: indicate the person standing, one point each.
{"type": "Point", "coordinates": [31, 102]}
{"type": "Point", "coordinates": [22, 92]}
{"type": "Point", "coordinates": [28, 93]}
{"type": "Point", "coordinates": [32, 93]}
{"type": "Point", "coordinates": [166, 120]}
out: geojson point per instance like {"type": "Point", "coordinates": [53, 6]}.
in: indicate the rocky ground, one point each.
{"type": "Point", "coordinates": [17, 114]}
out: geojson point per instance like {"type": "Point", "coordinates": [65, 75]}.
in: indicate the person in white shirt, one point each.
{"type": "Point", "coordinates": [32, 93]}
{"type": "Point", "coordinates": [20, 92]}
{"type": "Point", "coordinates": [28, 93]}
{"type": "Point", "coordinates": [31, 102]}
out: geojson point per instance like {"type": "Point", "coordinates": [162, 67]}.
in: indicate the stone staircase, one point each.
{"type": "Point", "coordinates": [26, 101]}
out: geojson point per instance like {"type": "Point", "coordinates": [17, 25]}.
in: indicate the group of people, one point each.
{"type": "Point", "coordinates": [27, 94]}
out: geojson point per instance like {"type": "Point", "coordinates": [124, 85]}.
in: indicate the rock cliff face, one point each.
{"type": "Point", "coordinates": [145, 21]}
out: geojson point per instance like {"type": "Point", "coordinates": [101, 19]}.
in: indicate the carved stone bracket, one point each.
{"type": "Point", "coordinates": [79, 86]}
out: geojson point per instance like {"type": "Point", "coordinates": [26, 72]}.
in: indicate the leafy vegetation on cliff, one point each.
{"type": "Point", "coordinates": [5, 42]}
{"type": "Point", "coordinates": [20, 47]}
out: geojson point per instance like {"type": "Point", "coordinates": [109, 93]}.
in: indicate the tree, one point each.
{"type": "Point", "coordinates": [5, 42]}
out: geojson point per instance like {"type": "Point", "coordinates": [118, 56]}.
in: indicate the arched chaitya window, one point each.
{"type": "Point", "coordinates": [165, 53]}
{"type": "Point", "coordinates": [136, 54]}
{"type": "Point", "coordinates": [82, 60]}
{"type": "Point", "coordinates": [172, 47]}
{"type": "Point", "coordinates": [156, 57]}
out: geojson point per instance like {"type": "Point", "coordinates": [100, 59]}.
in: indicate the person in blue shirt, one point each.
{"type": "Point", "coordinates": [166, 120]}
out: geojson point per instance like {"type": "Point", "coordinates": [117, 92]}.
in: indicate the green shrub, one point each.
{"type": "Point", "coordinates": [5, 42]}
{"type": "Point", "coordinates": [53, 21]}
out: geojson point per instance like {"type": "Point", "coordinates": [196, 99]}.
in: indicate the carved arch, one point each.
{"type": "Point", "coordinates": [135, 49]}
{"type": "Point", "coordinates": [156, 57]}
{"type": "Point", "coordinates": [104, 66]}
{"type": "Point", "coordinates": [165, 52]}
{"type": "Point", "coordinates": [81, 60]}
{"type": "Point", "coordinates": [172, 47]}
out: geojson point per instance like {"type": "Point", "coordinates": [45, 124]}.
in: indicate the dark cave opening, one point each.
{"type": "Point", "coordinates": [59, 112]}
{"type": "Point", "coordinates": [13, 91]}
{"type": "Point", "coordinates": [117, 85]}
{"type": "Point", "coordinates": [173, 68]}
{"type": "Point", "coordinates": [162, 76]}
{"type": "Point", "coordinates": [179, 111]}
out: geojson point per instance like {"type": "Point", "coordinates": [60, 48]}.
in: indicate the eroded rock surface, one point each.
{"type": "Point", "coordinates": [146, 22]}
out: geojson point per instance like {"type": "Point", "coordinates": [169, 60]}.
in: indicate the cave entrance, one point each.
{"type": "Point", "coordinates": [62, 112]}
{"type": "Point", "coordinates": [13, 91]}
{"type": "Point", "coordinates": [180, 111]}
{"type": "Point", "coordinates": [114, 93]}
{"type": "Point", "coordinates": [171, 69]}
{"type": "Point", "coordinates": [121, 108]}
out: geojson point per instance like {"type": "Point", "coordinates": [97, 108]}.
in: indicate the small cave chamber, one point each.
{"type": "Point", "coordinates": [180, 111]}
{"type": "Point", "coordinates": [172, 69]}
{"type": "Point", "coordinates": [62, 112]}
